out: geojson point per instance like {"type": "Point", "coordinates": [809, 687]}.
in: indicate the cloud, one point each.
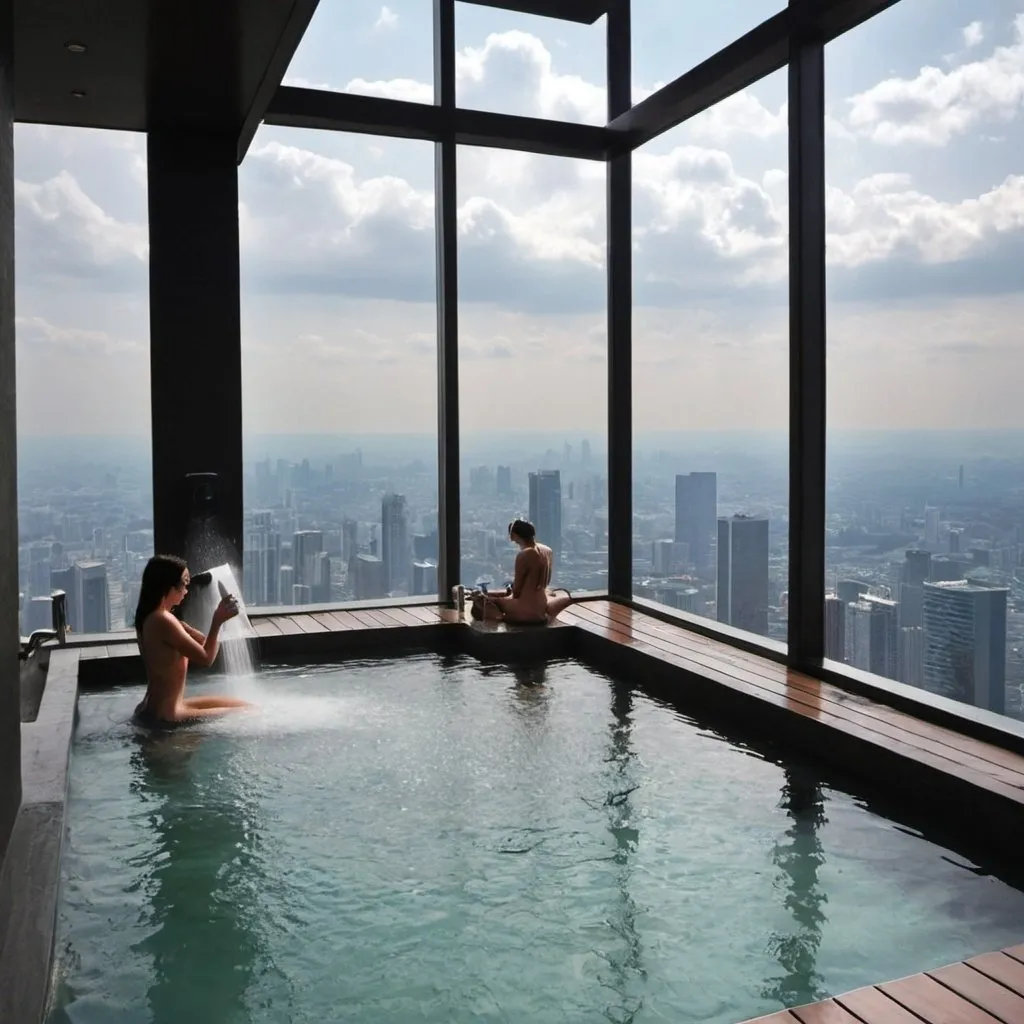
{"type": "Point", "coordinates": [936, 106]}
{"type": "Point", "coordinates": [973, 34]}
{"type": "Point", "coordinates": [386, 20]}
{"type": "Point", "coordinates": [36, 335]}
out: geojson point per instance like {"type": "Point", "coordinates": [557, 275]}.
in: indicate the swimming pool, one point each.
{"type": "Point", "coordinates": [432, 839]}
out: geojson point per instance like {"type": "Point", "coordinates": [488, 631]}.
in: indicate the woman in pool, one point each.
{"type": "Point", "coordinates": [168, 645]}
{"type": "Point", "coordinates": [528, 601]}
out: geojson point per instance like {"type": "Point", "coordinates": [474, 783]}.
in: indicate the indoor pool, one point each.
{"type": "Point", "coordinates": [434, 840]}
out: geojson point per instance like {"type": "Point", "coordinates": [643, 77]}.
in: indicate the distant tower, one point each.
{"type": "Point", "coordinates": [92, 599]}
{"type": "Point", "coordinates": [871, 635]}
{"type": "Point", "coordinates": [965, 642]}
{"type": "Point", "coordinates": [697, 514]}
{"type": "Point", "coordinates": [394, 519]}
{"type": "Point", "coordinates": [504, 482]}
{"type": "Point", "coordinates": [743, 573]}
{"type": "Point", "coordinates": [835, 628]}
{"type": "Point", "coordinates": [546, 507]}
{"type": "Point", "coordinates": [960, 478]}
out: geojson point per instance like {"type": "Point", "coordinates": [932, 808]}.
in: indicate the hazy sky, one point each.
{"type": "Point", "coordinates": [926, 224]}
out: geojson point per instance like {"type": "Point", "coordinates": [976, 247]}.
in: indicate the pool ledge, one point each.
{"type": "Point", "coordinates": [30, 882]}
{"type": "Point", "coordinates": [987, 989]}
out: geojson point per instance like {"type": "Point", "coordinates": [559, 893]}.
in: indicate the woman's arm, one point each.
{"type": "Point", "coordinates": [174, 633]}
{"type": "Point", "coordinates": [200, 638]}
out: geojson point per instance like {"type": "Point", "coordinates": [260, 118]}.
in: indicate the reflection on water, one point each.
{"type": "Point", "coordinates": [625, 962]}
{"type": "Point", "coordinates": [202, 881]}
{"type": "Point", "coordinates": [799, 858]}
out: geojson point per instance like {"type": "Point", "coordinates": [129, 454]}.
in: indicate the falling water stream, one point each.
{"type": "Point", "coordinates": [237, 635]}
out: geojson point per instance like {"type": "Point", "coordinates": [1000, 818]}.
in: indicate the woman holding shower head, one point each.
{"type": "Point", "coordinates": [168, 645]}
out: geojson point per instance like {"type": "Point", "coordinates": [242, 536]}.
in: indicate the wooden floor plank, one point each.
{"type": "Point", "coordinates": [265, 627]}
{"type": "Point", "coordinates": [782, 1017]}
{"type": "Point", "coordinates": [1002, 968]}
{"type": "Point", "coordinates": [705, 663]}
{"type": "Point", "coordinates": [92, 653]}
{"type": "Point", "coordinates": [365, 619]}
{"type": "Point", "coordinates": [743, 660]}
{"type": "Point", "coordinates": [424, 613]}
{"type": "Point", "coordinates": [403, 617]}
{"type": "Point", "coordinates": [873, 1006]}
{"type": "Point", "coordinates": [286, 624]}
{"type": "Point", "coordinates": [983, 992]}
{"type": "Point", "coordinates": [934, 1003]}
{"type": "Point", "coordinates": [828, 1012]}
{"type": "Point", "coordinates": [332, 622]}
{"type": "Point", "coordinates": [306, 621]}
{"type": "Point", "coordinates": [1017, 952]}
{"type": "Point", "coordinates": [384, 617]}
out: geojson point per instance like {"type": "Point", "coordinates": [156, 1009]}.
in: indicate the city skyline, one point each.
{"type": "Point", "coordinates": [337, 238]}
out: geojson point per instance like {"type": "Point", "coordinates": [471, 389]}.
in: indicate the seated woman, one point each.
{"type": "Point", "coordinates": [528, 601]}
{"type": "Point", "coordinates": [168, 645]}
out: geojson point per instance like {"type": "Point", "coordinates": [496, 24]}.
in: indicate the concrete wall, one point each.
{"type": "Point", "coordinates": [10, 716]}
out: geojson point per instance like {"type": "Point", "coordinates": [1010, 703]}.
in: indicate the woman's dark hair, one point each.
{"type": "Point", "coordinates": [161, 575]}
{"type": "Point", "coordinates": [522, 529]}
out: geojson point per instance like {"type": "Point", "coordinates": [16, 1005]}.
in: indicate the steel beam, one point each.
{"type": "Point", "coordinates": [585, 12]}
{"type": "Point", "coordinates": [375, 115]}
{"type": "Point", "coordinates": [620, 315]}
{"type": "Point", "coordinates": [806, 629]}
{"type": "Point", "coordinates": [295, 28]}
{"type": "Point", "coordinates": [449, 516]}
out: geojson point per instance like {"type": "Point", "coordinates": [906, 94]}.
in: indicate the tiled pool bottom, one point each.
{"type": "Point", "coordinates": [433, 840]}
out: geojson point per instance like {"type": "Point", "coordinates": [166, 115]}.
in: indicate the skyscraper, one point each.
{"type": "Point", "coordinates": [835, 628]}
{"type": "Point", "coordinates": [871, 635]}
{"type": "Point", "coordinates": [910, 655]}
{"type": "Point", "coordinates": [743, 572]}
{"type": "Point", "coordinates": [504, 482]}
{"type": "Point", "coordinates": [696, 514]}
{"type": "Point", "coordinates": [424, 578]}
{"type": "Point", "coordinates": [965, 642]}
{"type": "Point", "coordinates": [92, 599]}
{"type": "Point", "coordinates": [917, 568]}
{"type": "Point", "coordinates": [394, 519]}
{"type": "Point", "coordinates": [371, 578]}
{"type": "Point", "coordinates": [546, 507]}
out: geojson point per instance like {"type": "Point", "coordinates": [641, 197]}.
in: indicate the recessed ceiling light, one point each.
{"type": "Point", "coordinates": [78, 93]}
{"type": "Point", "coordinates": [76, 47]}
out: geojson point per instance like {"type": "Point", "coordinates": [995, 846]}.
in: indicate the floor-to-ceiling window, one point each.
{"type": "Point", "coordinates": [925, 470]}
{"type": "Point", "coordinates": [711, 364]}
{"type": "Point", "coordinates": [85, 506]}
{"type": "Point", "coordinates": [339, 368]}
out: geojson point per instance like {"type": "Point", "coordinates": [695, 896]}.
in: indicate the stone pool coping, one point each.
{"type": "Point", "coordinates": [977, 784]}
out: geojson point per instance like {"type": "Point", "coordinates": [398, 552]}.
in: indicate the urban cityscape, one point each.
{"type": "Point", "coordinates": [924, 547]}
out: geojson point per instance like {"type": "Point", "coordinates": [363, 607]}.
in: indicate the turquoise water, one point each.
{"type": "Point", "coordinates": [429, 840]}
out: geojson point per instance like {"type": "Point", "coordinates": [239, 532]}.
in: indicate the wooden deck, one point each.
{"type": "Point", "coordinates": [987, 989]}
{"type": "Point", "coordinates": [355, 619]}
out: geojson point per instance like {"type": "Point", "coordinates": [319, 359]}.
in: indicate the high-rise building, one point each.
{"type": "Point", "coordinates": [287, 582]}
{"type": "Point", "coordinates": [371, 578]}
{"type": "Point", "coordinates": [349, 539]}
{"type": "Point", "coordinates": [835, 628]}
{"type": "Point", "coordinates": [92, 598]}
{"type": "Point", "coordinates": [917, 568]}
{"type": "Point", "coordinates": [504, 482]}
{"type": "Point", "coordinates": [262, 562]}
{"type": "Point", "coordinates": [849, 591]}
{"type": "Point", "coordinates": [424, 578]}
{"type": "Point", "coordinates": [546, 507]}
{"type": "Point", "coordinates": [662, 557]}
{"type": "Point", "coordinates": [306, 546]}
{"type": "Point", "coordinates": [965, 642]}
{"type": "Point", "coordinates": [871, 635]}
{"type": "Point", "coordinates": [910, 655]}
{"type": "Point", "coordinates": [931, 528]}
{"type": "Point", "coordinates": [743, 572]}
{"type": "Point", "coordinates": [394, 518]}
{"type": "Point", "coordinates": [697, 514]}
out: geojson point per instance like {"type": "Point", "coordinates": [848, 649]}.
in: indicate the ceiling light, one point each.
{"type": "Point", "coordinates": [78, 93]}
{"type": "Point", "coordinates": [75, 47]}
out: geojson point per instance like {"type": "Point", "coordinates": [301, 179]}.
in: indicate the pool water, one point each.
{"type": "Point", "coordinates": [432, 840]}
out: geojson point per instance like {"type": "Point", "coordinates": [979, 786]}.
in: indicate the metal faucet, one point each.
{"type": "Point", "coordinates": [59, 609]}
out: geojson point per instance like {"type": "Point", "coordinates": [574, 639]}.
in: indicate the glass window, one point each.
{"type": "Point", "coordinates": [925, 467]}
{"type": "Point", "coordinates": [522, 64]}
{"type": "Point", "coordinates": [85, 508]}
{"type": "Point", "coordinates": [339, 368]}
{"type": "Point", "coordinates": [669, 38]}
{"type": "Point", "coordinates": [369, 48]}
{"type": "Point", "coordinates": [533, 362]}
{"type": "Point", "coordinates": [711, 365]}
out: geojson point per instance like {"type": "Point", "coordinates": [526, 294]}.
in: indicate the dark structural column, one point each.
{"type": "Point", "coordinates": [445, 210]}
{"type": "Point", "coordinates": [620, 316]}
{"type": "Point", "coordinates": [10, 687]}
{"type": "Point", "coordinates": [195, 337]}
{"type": "Point", "coordinates": [806, 350]}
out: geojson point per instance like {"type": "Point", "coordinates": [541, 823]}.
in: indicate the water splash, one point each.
{"type": "Point", "coordinates": [237, 637]}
